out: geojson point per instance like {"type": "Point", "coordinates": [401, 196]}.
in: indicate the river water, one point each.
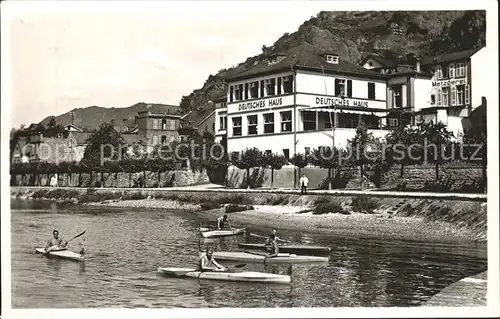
{"type": "Point", "coordinates": [125, 247]}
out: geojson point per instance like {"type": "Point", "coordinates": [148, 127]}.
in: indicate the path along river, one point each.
{"type": "Point", "coordinates": [125, 246]}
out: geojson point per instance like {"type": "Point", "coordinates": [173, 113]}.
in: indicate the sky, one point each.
{"type": "Point", "coordinates": [118, 56]}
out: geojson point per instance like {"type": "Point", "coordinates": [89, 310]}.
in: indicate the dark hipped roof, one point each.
{"type": "Point", "coordinates": [131, 139]}
{"type": "Point", "coordinates": [81, 137]}
{"type": "Point", "coordinates": [195, 118]}
{"type": "Point", "coordinates": [449, 57]}
{"type": "Point", "coordinates": [386, 62]}
{"type": "Point", "coordinates": [308, 57]}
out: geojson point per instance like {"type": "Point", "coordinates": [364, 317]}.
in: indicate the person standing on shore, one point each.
{"type": "Point", "coordinates": [303, 184]}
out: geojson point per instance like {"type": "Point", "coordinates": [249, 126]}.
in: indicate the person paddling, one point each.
{"type": "Point", "coordinates": [222, 221]}
{"type": "Point", "coordinates": [208, 263]}
{"type": "Point", "coordinates": [273, 241]}
{"type": "Point", "coordinates": [55, 243]}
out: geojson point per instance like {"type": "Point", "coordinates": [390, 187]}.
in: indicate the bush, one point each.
{"type": "Point", "coordinates": [443, 185]}
{"type": "Point", "coordinates": [210, 205]}
{"type": "Point", "coordinates": [237, 208]}
{"type": "Point", "coordinates": [134, 196]}
{"type": "Point", "coordinates": [363, 204]}
{"type": "Point", "coordinates": [327, 208]}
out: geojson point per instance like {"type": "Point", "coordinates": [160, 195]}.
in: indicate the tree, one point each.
{"type": "Point", "coordinates": [436, 140]}
{"type": "Point", "coordinates": [324, 157]}
{"type": "Point", "coordinates": [402, 147]}
{"type": "Point", "coordinates": [476, 140]}
{"type": "Point", "coordinates": [275, 161]}
{"type": "Point", "coordinates": [52, 123]}
{"type": "Point", "coordinates": [105, 144]}
{"type": "Point", "coordinates": [360, 148]}
{"type": "Point", "coordinates": [299, 160]}
{"type": "Point", "coordinates": [247, 159]}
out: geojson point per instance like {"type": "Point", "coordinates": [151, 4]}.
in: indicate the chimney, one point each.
{"type": "Point", "coordinates": [418, 65]}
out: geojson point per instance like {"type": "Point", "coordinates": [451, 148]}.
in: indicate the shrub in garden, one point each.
{"type": "Point", "coordinates": [231, 208]}
{"type": "Point", "coordinates": [327, 208]}
{"type": "Point", "coordinates": [210, 205]}
{"type": "Point", "coordinates": [364, 204]}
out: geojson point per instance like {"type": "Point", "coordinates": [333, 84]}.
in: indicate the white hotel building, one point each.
{"type": "Point", "coordinates": [287, 105]}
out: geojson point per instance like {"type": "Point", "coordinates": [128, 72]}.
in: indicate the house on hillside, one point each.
{"type": "Point", "coordinates": [157, 127]}
{"type": "Point", "coordinates": [73, 128]}
{"type": "Point", "coordinates": [75, 145]}
{"type": "Point", "coordinates": [288, 103]}
{"type": "Point", "coordinates": [444, 88]}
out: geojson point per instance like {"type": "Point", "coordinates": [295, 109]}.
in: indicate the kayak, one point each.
{"type": "Point", "coordinates": [246, 276]}
{"type": "Point", "coordinates": [251, 257]}
{"type": "Point", "coordinates": [292, 249]}
{"type": "Point", "coordinates": [63, 254]}
{"type": "Point", "coordinates": [206, 233]}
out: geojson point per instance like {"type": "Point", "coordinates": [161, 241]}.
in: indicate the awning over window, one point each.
{"type": "Point", "coordinates": [343, 111]}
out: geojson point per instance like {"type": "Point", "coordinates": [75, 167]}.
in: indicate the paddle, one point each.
{"type": "Point", "coordinates": [260, 236]}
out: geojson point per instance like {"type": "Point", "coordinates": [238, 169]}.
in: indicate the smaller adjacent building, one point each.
{"type": "Point", "coordinates": [158, 128]}
{"type": "Point", "coordinates": [444, 88]}
{"type": "Point", "coordinates": [199, 121]}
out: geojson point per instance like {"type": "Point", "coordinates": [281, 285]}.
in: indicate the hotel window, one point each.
{"type": "Point", "coordinates": [460, 70]}
{"type": "Point", "coordinates": [246, 91]}
{"type": "Point", "coordinates": [286, 153]}
{"type": "Point", "coordinates": [451, 70]}
{"type": "Point", "coordinates": [262, 88]}
{"type": "Point", "coordinates": [398, 98]}
{"type": "Point", "coordinates": [433, 99]}
{"type": "Point", "coordinates": [238, 92]}
{"type": "Point", "coordinates": [286, 121]}
{"type": "Point", "coordinates": [439, 97]}
{"type": "Point", "coordinates": [164, 139]}
{"type": "Point", "coordinates": [280, 83]}
{"type": "Point", "coordinates": [393, 122]}
{"type": "Point", "coordinates": [155, 139]}
{"type": "Point", "coordinates": [439, 72]}
{"type": "Point", "coordinates": [444, 71]}
{"type": "Point", "coordinates": [252, 124]}
{"type": "Point", "coordinates": [231, 94]}
{"type": "Point", "coordinates": [287, 84]}
{"type": "Point", "coordinates": [353, 123]}
{"type": "Point", "coordinates": [254, 90]}
{"type": "Point", "coordinates": [446, 96]}
{"type": "Point", "coordinates": [460, 94]}
{"type": "Point", "coordinates": [453, 95]}
{"type": "Point", "coordinates": [237, 126]}
{"type": "Point", "coordinates": [309, 119]}
{"type": "Point", "coordinates": [222, 123]}
{"type": "Point", "coordinates": [467, 94]}
{"type": "Point", "coordinates": [270, 87]}
{"type": "Point", "coordinates": [163, 124]}
{"type": "Point", "coordinates": [340, 87]}
{"type": "Point", "coordinates": [269, 123]}
{"type": "Point", "coordinates": [371, 90]}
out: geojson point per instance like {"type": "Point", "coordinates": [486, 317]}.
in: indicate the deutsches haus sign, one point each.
{"type": "Point", "coordinates": [260, 104]}
{"type": "Point", "coordinates": [451, 82]}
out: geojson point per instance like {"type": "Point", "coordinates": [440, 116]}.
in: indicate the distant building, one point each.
{"type": "Point", "coordinates": [158, 128]}
{"type": "Point", "coordinates": [75, 145]}
{"type": "Point", "coordinates": [38, 143]}
{"type": "Point", "coordinates": [199, 121]}
{"type": "Point", "coordinates": [287, 105]}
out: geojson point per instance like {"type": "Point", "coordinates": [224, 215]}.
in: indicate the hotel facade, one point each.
{"type": "Point", "coordinates": [287, 104]}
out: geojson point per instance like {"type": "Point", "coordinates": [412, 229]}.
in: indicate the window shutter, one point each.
{"type": "Point", "coordinates": [390, 97]}
{"type": "Point", "coordinates": [349, 88]}
{"type": "Point", "coordinates": [453, 93]}
{"type": "Point", "coordinates": [467, 94]}
{"type": "Point", "coordinates": [261, 88]}
{"type": "Point", "coordinates": [280, 80]}
{"type": "Point", "coordinates": [231, 93]}
{"type": "Point", "coordinates": [335, 87]}
{"type": "Point", "coordinates": [451, 70]}
{"type": "Point", "coordinates": [404, 102]}
{"type": "Point", "coordinates": [246, 91]}
{"type": "Point", "coordinates": [439, 97]}
{"type": "Point", "coordinates": [465, 70]}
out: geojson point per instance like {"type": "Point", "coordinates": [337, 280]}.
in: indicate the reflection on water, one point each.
{"type": "Point", "coordinates": [126, 246]}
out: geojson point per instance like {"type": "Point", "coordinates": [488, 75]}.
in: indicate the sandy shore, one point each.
{"type": "Point", "coordinates": [299, 218]}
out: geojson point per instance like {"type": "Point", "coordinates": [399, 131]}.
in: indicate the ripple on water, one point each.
{"type": "Point", "coordinates": [126, 246]}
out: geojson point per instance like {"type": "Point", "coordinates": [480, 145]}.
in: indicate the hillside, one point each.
{"type": "Point", "coordinates": [351, 34]}
{"type": "Point", "coordinates": [91, 117]}
{"type": "Point", "coordinates": [355, 34]}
